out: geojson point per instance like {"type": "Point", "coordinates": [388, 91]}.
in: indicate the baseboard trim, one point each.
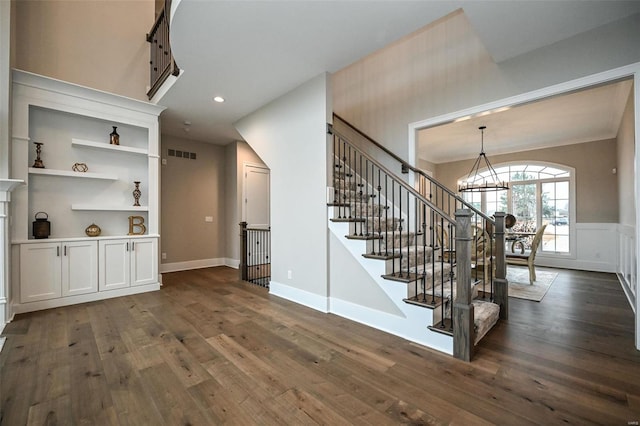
{"type": "Point", "coordinates": [193, 264]}
{"type": "Point", "coordinates": [20, 308]}
{"type": "Point", "coordinates": [302, 297]}
{"type": "Point", "coordinates": [232, 263]}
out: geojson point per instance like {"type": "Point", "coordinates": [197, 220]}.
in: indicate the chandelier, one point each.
{"type": "Point", "coordinates": [488, 180]}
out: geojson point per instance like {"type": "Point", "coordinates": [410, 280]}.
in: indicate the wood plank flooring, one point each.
{"type": "Point", "coordinates": [208, 349]}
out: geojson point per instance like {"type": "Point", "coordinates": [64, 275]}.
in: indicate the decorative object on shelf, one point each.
{"type": "Point", "coordinates": [114, 137]}
{"type": "Point", "coordinates": [80, 167]}
{"type": "Point", "coordinates": [482, 177]}
{"type": "Point", "coordinates": [41, 226]}
{"type": "Point", "coordinates": [136, 222]}
{"type": "Point", "coordinates": [136, 194]}
{"type": "Point", "coordinates": [38, 164]}
{"type": "Point", "coordinates": [93, 230]}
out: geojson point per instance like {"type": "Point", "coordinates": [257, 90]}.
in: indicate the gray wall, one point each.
{"type": "Point", "coordinates": [289, 134]}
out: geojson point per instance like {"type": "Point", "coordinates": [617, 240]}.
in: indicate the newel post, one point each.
{"type": "Point", "coordinates": [463, 330]}
{"type": "Point", "coordinates": [501, 285]}
{"type": "Point", "coordinates": [243, 251]}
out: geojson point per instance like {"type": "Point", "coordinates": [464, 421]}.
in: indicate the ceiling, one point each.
{"type": "Point", "coordinates": [251, 52]}
{"type": "Point", "coordinates": [583, 116]}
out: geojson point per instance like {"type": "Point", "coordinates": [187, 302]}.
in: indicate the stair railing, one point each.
{"type": "Point", "coordinates": [488, 265]}
{"type": "Point", "coordinates": [416, 237]}
{"type": "Point", "coordinates": [399, 225]}
{"type": "Point", "coordinates": [255, 255]}
{"type": "Point", "coordinates": [161, 62]}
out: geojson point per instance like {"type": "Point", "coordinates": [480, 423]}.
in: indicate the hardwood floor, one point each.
{"type": "Point", "coordinates": [208, 349]}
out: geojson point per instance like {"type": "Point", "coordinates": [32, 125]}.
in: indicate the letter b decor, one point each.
{"type": "Point", "coordinates": [136, 222]}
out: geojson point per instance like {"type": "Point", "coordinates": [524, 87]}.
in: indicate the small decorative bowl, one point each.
{"type": "Point", "coordinates": [93, 230]}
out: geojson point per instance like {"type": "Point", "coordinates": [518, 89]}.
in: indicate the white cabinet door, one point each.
{"type": "Point", "coordinates": [144, 261]}
{"type": "Point", "coordinates": [114, 264]}
{"type": "Point", "coordinates": [40, 272]}
{"type": "Point", "coordinates": [79, 267]}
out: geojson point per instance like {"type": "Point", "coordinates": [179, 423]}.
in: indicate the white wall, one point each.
{"type": "Point", "coordinates": [289, 134]}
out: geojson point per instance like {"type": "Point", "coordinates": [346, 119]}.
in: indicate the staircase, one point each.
{"type": "Point", "coordinates": [437, 258]}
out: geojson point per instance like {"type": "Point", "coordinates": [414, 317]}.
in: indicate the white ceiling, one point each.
{"type": "Point", "coordinates": [588, 115]}
{"type": "Point", "coordinates": [251, 52]}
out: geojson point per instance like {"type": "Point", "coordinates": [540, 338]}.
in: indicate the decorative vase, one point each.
{"type": "Point", "coordinates": [136, 194]}
{"type": "Point", "coordinates": [38, 164]}
{"type": "Point", "coordinates": [93, 230]}
{"type": "Point", "coordinates": [114, 137]}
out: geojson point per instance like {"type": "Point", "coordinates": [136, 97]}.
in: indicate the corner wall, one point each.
{"type": "Point", "coordinates": [290, 135]}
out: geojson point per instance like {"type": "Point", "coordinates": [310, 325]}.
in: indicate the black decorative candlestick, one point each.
{"type": "Point", "coordinates": [38, 164]}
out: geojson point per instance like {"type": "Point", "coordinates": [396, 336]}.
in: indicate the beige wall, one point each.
{"type": "Point", "coordinates": [191, 190]}
{"type": "Point", "coordinates": [596, 185]}
{"type": "Point", "coordinates": [626, 160]}
{"type": "Point", "coordinates": [445, 68]}
{"type": "Point", "coordinates": [99, 44]}
{"type": "Point", "coordinates": [237, 154]}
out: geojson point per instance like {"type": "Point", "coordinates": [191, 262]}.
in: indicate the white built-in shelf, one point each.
{"type": "Point", "coordinates": [108, 147]}
{"type": "Point", "coordinates": [70, 173]}
{"type": "Point", "coordinates": [109, 207]}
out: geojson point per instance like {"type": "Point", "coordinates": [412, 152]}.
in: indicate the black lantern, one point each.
{"type": "Point", "coordinates": [41, 226]}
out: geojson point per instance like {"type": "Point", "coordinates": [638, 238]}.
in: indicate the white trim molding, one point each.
{"type": "Point", "coordinates": [308, 299]}
{"type": "Point", "coordinates": [192, 264]}
{"type": "Point", "coordinates": [6, 186]}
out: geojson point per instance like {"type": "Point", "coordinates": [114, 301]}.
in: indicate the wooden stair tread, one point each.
{"type": "Point", "coordinates": [445, 327]}
{"type": "Point", "coordinates": [363, 237]}
{"type": "Point", "coordinates": [402, 277]}
{"type": "Point", "coordinates": [428, 301]}
{"type": "Point", "coordinates": [379, 256]}
{"type": "Point", "coordinates": [347, 219]}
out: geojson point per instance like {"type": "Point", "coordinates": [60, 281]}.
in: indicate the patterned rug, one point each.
{"type": "Point", "coordinates": [518, 277]}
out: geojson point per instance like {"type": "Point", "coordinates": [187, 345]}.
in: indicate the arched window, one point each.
{"type": "Point", "coordinates": [540, 193]}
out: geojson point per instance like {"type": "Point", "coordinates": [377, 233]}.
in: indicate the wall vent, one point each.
{"type": "Point", "coordinates": [181, 154]}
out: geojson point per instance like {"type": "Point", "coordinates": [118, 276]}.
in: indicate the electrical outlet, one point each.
{"type": "Point", "coordinates": [289, 274]}
{"type": "Point", "coordinates": [164, 256]}
{"type": "Point", "coordinates": [208, 218]}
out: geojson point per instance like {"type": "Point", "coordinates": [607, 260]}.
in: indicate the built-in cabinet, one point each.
{"type": "Point", "coordinates": [127, 262]}
{"type": "Point", "coordinates": [52, 270]}
{"type": "Point", "coordinates": [74, 124]}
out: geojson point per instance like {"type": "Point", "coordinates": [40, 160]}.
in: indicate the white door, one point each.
{"type": "Point", "coordinates": [256, 196]}
{"type": "Point", "coordinates": [144, 260]}
{"type": "Point", "coordinates": [40, 272]}
{"type": "Point", "coordinates": [114, 264]}
{"type": "Point", "coordinates": [79, 267]}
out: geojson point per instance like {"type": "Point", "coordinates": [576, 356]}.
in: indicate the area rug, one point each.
{"type": "Point", "coordinates": [518, 277]}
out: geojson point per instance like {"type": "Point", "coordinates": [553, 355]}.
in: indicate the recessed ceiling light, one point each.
{"type": "Point", "coordinates": [219, 99]}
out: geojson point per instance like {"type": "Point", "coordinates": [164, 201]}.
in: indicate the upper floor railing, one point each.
{"type": "Point", "coordinates": [162, 64]}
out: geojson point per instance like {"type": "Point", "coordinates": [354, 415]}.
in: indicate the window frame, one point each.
{"type": "Point", "coordinates": [571, 254]}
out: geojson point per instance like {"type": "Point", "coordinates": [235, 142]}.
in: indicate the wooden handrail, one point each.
{"type": "Point", "coordinates": [161, 63]}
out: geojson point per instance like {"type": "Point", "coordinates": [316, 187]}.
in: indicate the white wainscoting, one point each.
{"type": "Point", "coordinates": [626, 267]}
{"type": "Point", "coordinates": [596, 249]}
